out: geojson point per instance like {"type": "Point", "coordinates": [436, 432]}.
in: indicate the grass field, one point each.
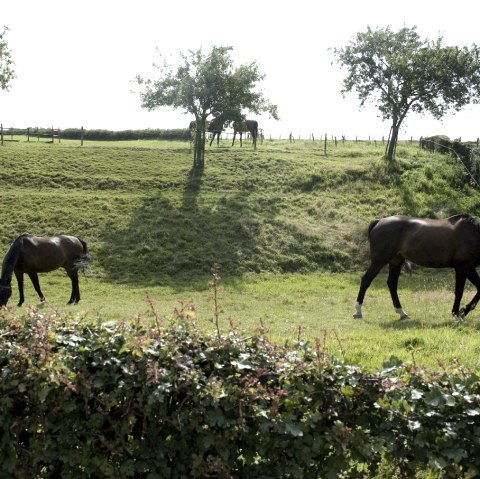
{"type": "Point", "coordinates": [287, 223]}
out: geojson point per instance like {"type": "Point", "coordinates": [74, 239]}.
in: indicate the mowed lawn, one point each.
{"type": "Point", "coordinates": [287, 223]}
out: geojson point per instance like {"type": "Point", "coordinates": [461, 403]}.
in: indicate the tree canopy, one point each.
{"type": "Point", "coordinates": [206, 86]}
{"type": "Point", "coordinates": [7, 73]}
{"type": "Point", "coordinates": [402, 73]}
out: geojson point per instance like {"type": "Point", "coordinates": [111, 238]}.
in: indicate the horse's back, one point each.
{"type": "Point", "coordinates": [427, 242]}
{"type": "Point", "coordinates": [47, 253]}
{"type": "Point", "coordinates": [71, 243]}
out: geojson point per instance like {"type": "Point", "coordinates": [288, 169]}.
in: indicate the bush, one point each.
{"type": "Point", "coordinates": [108, 135]}
{"type": "Point", "coordinates": [83, 399]}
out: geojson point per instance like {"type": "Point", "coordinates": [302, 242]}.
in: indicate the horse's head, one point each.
{"type": "Point", "coordinates": [5, 292]}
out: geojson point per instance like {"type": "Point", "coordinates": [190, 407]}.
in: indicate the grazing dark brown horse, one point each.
{"type": "Point", "coordinates": [449, 243]}
{"type": "Point", "coordinates": [216, 127]}
{"type": "Point", "coordinates": [247, 126]}
{"type": "Point", "coordinates": [40, 254]}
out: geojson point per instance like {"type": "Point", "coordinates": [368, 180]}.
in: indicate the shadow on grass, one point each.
{"type": "Point", "coordinates": [174, 239]}
{"type": "Point", "coordinates": [415, 324]}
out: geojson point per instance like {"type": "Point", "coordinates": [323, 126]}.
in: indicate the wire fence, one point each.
{"type": "Point", "coordinates": [8, 134]}
{"type": "Point", "coordinates": [467, 153]}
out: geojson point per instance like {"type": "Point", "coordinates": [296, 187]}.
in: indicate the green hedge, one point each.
{"type": "Point", "coordinates": [108, 135]}
{"type": "Point", "coordinates": [86, 399]}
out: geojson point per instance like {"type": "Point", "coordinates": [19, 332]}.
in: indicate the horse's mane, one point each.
{"type": "Point", "coordinates": [465, 217]}
{"type": "Point", "coordinates": [11, 257]}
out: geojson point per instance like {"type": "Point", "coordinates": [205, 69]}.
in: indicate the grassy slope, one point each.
{"type": "Point", "coordinates": [287, 208]}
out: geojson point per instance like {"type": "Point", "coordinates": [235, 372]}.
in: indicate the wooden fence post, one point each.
{"type": "Point", "coordinates": [325, 144]}
{"type": "Point", "coordinates": [1, 132]}
{"type": "Point", "coordinates": [81, 136]}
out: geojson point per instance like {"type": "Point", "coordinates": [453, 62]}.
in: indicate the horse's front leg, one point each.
{"type": "Point", "coordinates": [19, 276]}
{"type": "Point", "coordinates": [36, 284]}
{"type": "Point", "coordinates": [460, 278]}
{"type": "Point", "coordinates": [365, 282]}
{"type": "Point", "coordinates": [473, 277]}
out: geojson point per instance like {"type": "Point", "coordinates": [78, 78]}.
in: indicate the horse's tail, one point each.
{"type": "Point", "coordinates": [371, 226]}
{"type": "Point", "coordinates": [84, 260]}
{"type": "Point", "coordinates": [254, 128]}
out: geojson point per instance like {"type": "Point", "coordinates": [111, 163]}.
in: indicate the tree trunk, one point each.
{"type": "Point", "coordinates": [392, 143]}
{"type": "Point", "coordinates": [199, 149]}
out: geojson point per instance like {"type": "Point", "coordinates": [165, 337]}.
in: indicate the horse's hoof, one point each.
{"type": "Point", "coordinates": [357, 315]}
{"type": "Point", "coordinates": [460, 316]}
{"type": "Point", "coordinates": [404, 316]}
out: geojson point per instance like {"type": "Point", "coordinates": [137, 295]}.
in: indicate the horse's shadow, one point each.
{"type": "Point", "coordinates": [413, 323]}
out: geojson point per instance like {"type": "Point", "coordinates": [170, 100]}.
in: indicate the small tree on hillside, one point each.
{"type": "Point", "coordinates": [206, 86]}
{"type": "Point", "coordinates": [403, 73]}
{"type": "Point", "coordinates": [6, 63]}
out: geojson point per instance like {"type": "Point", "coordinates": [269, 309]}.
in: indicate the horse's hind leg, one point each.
{"type": "Point", "coordinates": [475, 280]}
{"type": "Point", "coordinates": [75, 296]}
{"type": "Point", "coordinates": [365, 282]}
{"type": "Point", "coordinates": [36, 284]}
{"type": "Point", "coordinates": [460, 278]}
{"type": "Point", "coordinates": [392, 282]}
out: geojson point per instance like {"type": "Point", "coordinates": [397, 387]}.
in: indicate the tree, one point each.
{"type": "Point", "coordinates": [404, 74]}
{"type": "Point", "coordinates": [6, 63]}
{"type": "Point", "coordinates": [207, 86]}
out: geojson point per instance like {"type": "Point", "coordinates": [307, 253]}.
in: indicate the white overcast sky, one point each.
{"type": "Point", "coordinates": [76, 61]}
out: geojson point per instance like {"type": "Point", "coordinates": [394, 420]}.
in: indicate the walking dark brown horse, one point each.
{"type": "Point", "coordinates": [449, 243]}
{"type": "Point", "coordinates": [31, 255]}
{"type": "Point", "coordinates": [247, 126]}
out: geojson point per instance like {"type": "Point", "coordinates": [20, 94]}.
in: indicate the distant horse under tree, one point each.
{"type": "Point", "coordinates": [192, 126]}
{"type": "Point", "coordinates": [41, 254]}
{"type": "Point", "coordinates": [449, 243]}
{"type": "Point", "coordinates": [216, 127]}
{"type": "Point", "coordinates": [247, 126]}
